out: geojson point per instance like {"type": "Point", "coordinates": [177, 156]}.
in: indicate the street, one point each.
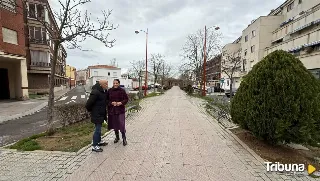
{"type": "Point", "coordinates": [14, 130]}
{"type": "Point", "coordinates": [77, 94]}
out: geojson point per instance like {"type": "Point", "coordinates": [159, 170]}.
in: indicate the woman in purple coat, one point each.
{"type": "Point", "coordinates": [117, 99]}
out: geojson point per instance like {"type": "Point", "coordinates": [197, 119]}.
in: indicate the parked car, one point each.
{"type": "Point", "coordinates": [227, 92]}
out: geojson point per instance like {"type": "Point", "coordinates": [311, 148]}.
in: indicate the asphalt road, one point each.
{"type": "Point", "coordinates": [77, 94]}
{"type": "Point", "coordinates": [14, 130]}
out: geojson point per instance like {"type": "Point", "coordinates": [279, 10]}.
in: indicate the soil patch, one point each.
{"type": "Point", "coordinates": [278, 153]}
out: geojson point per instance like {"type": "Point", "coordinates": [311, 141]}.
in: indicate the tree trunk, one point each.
{"type": "Point", "coordinates": [50, 113]}
{"type": "Point", "coordinates": [231, 82]}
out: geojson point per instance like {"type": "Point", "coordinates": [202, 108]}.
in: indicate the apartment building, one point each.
{"type": "Point", "coordinates": [98, 72]}
{"type": "Point", "coordinates": [71, 73]}
{"type": "Point", "coordinates": [256, 37]}
{"type": "Point", "coordinates": [40, 48]}
{"type": "Point", "coordinates": [13, 64]}
{"type": "Point", "coordinates": [294, 27]}
{"type": "Point", "coordinates": [230, 51]}
{"type": "Point", "coordinates": [213, 71]}
{"type": "Point", "coordinates": [299, 33]}
{"type": "Point", "coordinates": [81, 77]}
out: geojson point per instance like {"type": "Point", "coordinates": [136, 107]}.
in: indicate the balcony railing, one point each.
{"type": "Point", "coordinates": [40, 64]}
{"type": "Point", "coordinates": [39, 41]}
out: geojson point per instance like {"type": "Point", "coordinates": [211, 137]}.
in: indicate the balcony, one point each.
{"type": "Point", "coordinates": [40, 64]}
{"type": "Point", "coordinates": [39, 41]}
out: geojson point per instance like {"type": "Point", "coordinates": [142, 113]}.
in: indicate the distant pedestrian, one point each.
{"type": "Point", "coordinates": [70, 86]}
{"type": "Point", "coordinates": [117, 98]}
{"type": "Point", "coordinates": [97, 106]}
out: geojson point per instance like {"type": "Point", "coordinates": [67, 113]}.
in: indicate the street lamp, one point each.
{"type": "Point", "coordinates": [205, 57]}
{"type": "Point", "coordinates": [146, 78]}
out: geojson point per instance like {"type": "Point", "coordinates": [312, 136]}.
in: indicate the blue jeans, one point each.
{"type": "Point", "coordinates": [97, 134]}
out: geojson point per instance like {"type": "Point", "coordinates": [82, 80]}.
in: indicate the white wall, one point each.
{"type": "Point", "coordinates": [112, 73]}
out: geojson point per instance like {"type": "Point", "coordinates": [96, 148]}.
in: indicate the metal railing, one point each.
{"type": "Point", "coordinates": [40, 64]}
{"type": "Point", "coordinates": [39, 41]}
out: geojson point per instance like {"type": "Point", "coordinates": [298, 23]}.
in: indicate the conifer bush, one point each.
{"type": "Point", "coordinates": [278, 101]}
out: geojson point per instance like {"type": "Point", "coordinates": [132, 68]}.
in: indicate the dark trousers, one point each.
{"type": "Point", "coordinates": [97, 134]}
{"type": "Point", "coordinates": [122, 133]}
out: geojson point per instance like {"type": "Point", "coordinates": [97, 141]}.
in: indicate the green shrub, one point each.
{"type": "Point", "coordinates": [279, 101]}
{"type": "Point", "coordinates": [189, 89]}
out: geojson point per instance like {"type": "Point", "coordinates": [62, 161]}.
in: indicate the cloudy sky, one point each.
{"type": "Point", "coordinates": [168, 21]}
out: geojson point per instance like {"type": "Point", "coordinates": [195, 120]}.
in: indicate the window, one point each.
{"type": "Point", "coordinates": [36, 11]}
{"type": "Point", "coordinates": [37, 35]}
{"type": "Point", "coordinates": [95, 73]}
{"type": "Point", "coordinates": [244, 62]}
{"type": "Point", "coordinates": [246, 38]}
{"type": "Point", "coordinates": [40, 58]}
{"type": "Point", "coordinates": [8, 4]}
{"type": "Point", "coordinates": [245, 52]}
{"type": "Point", "coordinates": [290, 6]}
{"type": "Point", "coordinates": [115, 74]}
{"type": "Point", "coordinates": [252, 49]}
{"type": "Point", "coordinates": [9, 36]}
{"type": "Point", "coordinates": [253, 33]}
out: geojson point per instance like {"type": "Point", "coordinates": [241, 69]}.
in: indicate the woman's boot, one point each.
{"type": "Point", "coordinates": [124, 138]}
{"type": "Point", "coordinates": [117, 137]}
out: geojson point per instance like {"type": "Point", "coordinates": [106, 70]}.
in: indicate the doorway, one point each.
{"type": "Point", "coordinates": [4, 84]}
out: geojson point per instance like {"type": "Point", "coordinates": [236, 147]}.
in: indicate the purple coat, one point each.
{"type": "Point", "coordinates": [117, 95]}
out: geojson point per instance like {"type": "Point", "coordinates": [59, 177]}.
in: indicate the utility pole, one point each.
{"type": "Point", "coordinates": [204, 61]}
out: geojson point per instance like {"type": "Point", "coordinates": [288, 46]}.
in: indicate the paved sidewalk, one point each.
{"type": "Point", "coordinates": [173, 139]}
{"type": "Point", "coordinates": [12, 109]}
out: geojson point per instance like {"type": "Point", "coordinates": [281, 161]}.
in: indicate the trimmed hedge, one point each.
{"type": "Point", "coordinates": [71, 113]}
{"type": "Point", "coordinates": [278, 101]}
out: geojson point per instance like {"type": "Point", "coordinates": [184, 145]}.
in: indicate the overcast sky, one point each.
{"type": "Point", "coordinates": [168, 21]}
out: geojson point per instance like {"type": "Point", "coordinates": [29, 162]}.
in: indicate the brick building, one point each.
{"type": "Point", "coordinates": [213, 71]}
{"type": "Point", "coordinates": [13, 65]}
{"type": "Point", "coordinates": [40, 48]}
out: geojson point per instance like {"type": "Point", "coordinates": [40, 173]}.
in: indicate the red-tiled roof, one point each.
{"type": "Point", "coordinates": [102, 66]}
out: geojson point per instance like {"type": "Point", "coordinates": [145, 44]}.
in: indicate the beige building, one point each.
{"type": "Point", "coordinates": [230, 51]}
{"type": "Point", "coordinates": [294, 27]}
{"type": "Point", "coordinates": [299, 33]}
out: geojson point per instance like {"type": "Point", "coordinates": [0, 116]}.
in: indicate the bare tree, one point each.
{"type": "Point", "coordinates": [136, 71]}
{"type": "Point", "coordinates": [72, 26]}
{"type": "Point", "coordinates": [193, 52]}
{"type": "Point", "coordinates": [230, 64]}
{"type": "Point", "coordinates": [166, 70]}
{"type": "Point", "coordinates": [156, 62]}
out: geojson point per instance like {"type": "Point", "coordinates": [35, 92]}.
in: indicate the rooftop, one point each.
{"type": "Point", "coordinates": [102, 67]}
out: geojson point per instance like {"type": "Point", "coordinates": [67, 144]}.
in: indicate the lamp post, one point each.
{"type": "Point", "coordinates": [146, 77]}
{"type": "Point", "coordinates": [205, 57]}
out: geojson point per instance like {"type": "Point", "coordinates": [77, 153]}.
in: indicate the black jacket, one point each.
{"type": "Point", "coordinates": [95, 86]}
{"type": "Point", "coordinates": [97, 105]}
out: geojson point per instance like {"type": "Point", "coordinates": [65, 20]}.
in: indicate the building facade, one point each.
{"type": "Point", "coordinates": [71, 73]}
{"type": "Point", "coordinates": [106, 72]}
{"type": "Point", "coordinates": [13, 64]}
{"type": "Point", "coordinates": [299, 32]}
{"type": "Point", "coordinates": [294, 27]}
{"type": "Point", "coordinates": [40, 48]}
{"type": "Point", "coordinates": [213, 71]}
{"type": "Point", "coordinates": [81, 76]}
